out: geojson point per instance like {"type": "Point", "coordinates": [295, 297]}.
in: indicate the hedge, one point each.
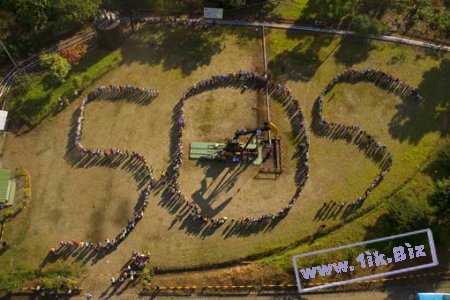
{"type": "Point", "coordinates": [38, 100]}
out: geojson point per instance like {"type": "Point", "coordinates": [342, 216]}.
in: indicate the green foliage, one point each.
{"type": "Point", "coordinates": [58, 65]}
{"type": "Point", "coordinates": [163, 6]}
{"type": "Point", "coordinates": [32, 13]}
{"type": "Point", "coordinates": [27, 26]}
{"type": "Point", "coordinates": [441, 22]}
{"type": "Point", "coordinates": [233, 3]}
{"type": "Point", "coordinates": [40, 100]}
{"type": "Point", "coordinates": [8, 214]}
{"type": "Point", "coordinates": [14, 281]}
{"type": "Point", "coordinates": [440, 200]}
{"type": "Point", "coordinates": [74, 13]}
{"type": "Point", "coordinates": [427, 200]}
{"type": "Point", "coordinates": [408, 211]}
{"type": "Point", "coordinates": [59, 285]}
{"type": "Point", "coordinates": [399, 57]}
{"type": "Point", "coordinates": [365, 25]}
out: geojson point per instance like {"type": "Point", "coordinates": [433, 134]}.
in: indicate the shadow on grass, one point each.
{"type": "Point", "coordinates": [402, 289]}
{"type": "Point", "coordinates": [412, 122]}
{"type": "Point", "coordinates": [177, 203]}
{"type": "Point", "coordinates": [300, 63]}
{"type": "Point", "coordinates": [329, 11]}
{"type": "Point", "coordinates": [77, 159]}
{"type": "Point", "coordinates": [224, 176]}
{"type": "Point", "coordinates": [407, 212]}
{"type": "Point", "coordinates": [36, 99]}
{"type": "Point", "coordinates": [182, 48]}
{"type": "Point", "coordinates": [440, 168]}
{"type": "Point", "coordinates": [353, 50]}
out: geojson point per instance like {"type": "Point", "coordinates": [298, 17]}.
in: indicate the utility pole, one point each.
{"type": "Point", "coordinates": [9, 54]}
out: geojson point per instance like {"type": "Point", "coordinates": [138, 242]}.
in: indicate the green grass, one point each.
{"type": "Point", "coordinates": [39, 99]}
{"type": "Point", "coordinates": [412, 197]}
{"type": "Point", "coordinates": [303, 10]}
{"type": "Point", "coordinates": [429, 20]}
{"type": "Point", "coordinates": [339, 171]}
{"type": "Point", "coordinates": [13, 281]}
{"type": "Point", "coordinates": [308, 62]}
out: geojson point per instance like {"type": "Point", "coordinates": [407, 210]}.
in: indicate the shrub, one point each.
{"type": "Point", "coordinates": [58, 285]}
{"type": "Point", "coordinates": [74, 53]}
{"type": "Point", "coordinates": [365, 25]}
{"type": "Point", "coordinates": [8, 214]}
{"type": "Point", "coordinates": [233, 3]}
{"type": "Point", "coordinates": [441, 22]}
{"type": "Point", "coordinates": [440, 200]}
{"type": "Point", "coordinates": [27, 192]}
{"type": "Point", "coordinates": [58, 66]}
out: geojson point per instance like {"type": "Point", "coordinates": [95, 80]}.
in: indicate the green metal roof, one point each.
{"type": "Point", "coordinates": [5, 176]}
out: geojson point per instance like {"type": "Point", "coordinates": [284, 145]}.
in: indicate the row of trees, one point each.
{"type": "Point", "coordinates": [424, 204]}
{"type": "Point", "coordinates": [29, 25]}
{"type": "Point", "coordinates": [408, 13]}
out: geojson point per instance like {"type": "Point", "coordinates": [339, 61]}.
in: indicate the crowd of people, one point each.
{"type": "Point", "coordinates": [106, 18]}
{"type": "Point", "coordinates": [134, 157]}
{"type": "Point", "coordinates": [200, 23]}
{"type": "Point", "coordinates": [240, 80]}
{"type": "Point", "coordinates": [64, 290]}
{"type": "Point", "coordinates": [362, 138]}
{"type": "Point", "coordinates": [122, 91]}
{"type": "Point", "coordinates": [379, 78]}
{"type": "Point", "coordinates": [133, 268]}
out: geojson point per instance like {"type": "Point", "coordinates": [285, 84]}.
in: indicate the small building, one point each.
{"type": "Point", "coordinates": [7, 188]}
{"type": "Point", "coordinates": [3, 118]}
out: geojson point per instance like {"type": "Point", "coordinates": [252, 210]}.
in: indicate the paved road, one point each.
{"type": "Point", "coordinates": [385, 38]}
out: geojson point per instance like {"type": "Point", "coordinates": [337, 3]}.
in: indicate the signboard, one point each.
{"type": "Point", "coordinates": [212, 13]}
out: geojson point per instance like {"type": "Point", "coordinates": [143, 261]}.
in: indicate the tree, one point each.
{"type": "Point", "coordinates": [408, 211]}
{"type": "Point", "coordinates": [69, 13]}
{"type": "Point", "coordinates": [33, 14]}
{"type": "Point", "coordinates": [365, 25]}
{"type": "Point", "coordinates": [440, 200]}
{"type": "Point", "coordinates": [73, 53]}
{"type": "Point", "coordinates": [58, 65]}
{"type": "Point", "coordinates": [233, 3]}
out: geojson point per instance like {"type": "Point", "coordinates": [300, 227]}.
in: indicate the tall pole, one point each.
{"type": "Point", "coordinates": [265, 72]}
{"type": "Point", "coordinates": [9, 54]}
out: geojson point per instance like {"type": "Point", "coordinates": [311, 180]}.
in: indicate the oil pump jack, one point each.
{"type": "Point", "coordinates": [235, 146]}
{"type": "Point", "coordinates": [233, 150]}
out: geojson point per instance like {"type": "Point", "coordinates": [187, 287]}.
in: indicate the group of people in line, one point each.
{"type": "Point", "coordinates": [105, 18]}
{"type": "Point", "coordinates": [379, 78]}
{"type": "Point", "coordinates": [200, 23]}
{"type": "Point", "coordinates": [366, 141]}
{"type": "Point", "coordinates": [112, 91]}
{"type": "Point", "coordinates": [133, 268]}
{"type": "Point", "coordinates": [134, 157]}
{"type": "Point", "coordinates": [240, 80]}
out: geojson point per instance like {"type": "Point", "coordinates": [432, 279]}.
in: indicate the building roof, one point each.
{"type": "Point", "coordinates": [5, 185]}
{"type": "Point", "coordinates": [3, 116]}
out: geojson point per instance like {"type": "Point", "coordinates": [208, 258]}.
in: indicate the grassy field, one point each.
{"type": "Point", "coordinates": [426, 19]}
{"type": "Point", "coordinates": [95, 203]}
{"type": "Point", "coordinates": [36, 99]}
